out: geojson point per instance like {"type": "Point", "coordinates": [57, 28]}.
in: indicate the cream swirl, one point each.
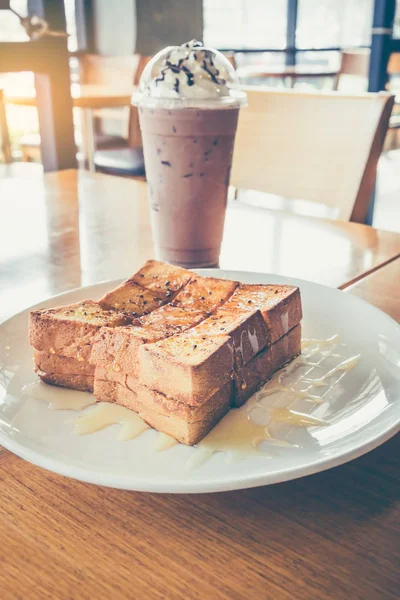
{"type": "Point", "coordinates": [190, 71]}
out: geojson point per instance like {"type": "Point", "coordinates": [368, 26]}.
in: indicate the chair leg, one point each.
{"type": "Point", "coordinates": [4, 134]}
{"type": "Point", "coordinates": [370, 214]}
{"type": "Point", "coordinates": [88, 137]}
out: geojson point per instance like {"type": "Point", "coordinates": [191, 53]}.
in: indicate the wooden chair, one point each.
{"type": "Point", "coordinates": [393, 70]}
{"type": "Point", "coordinates": [354, 62]}
{"type": "Point", "coordinates": [5, 144]}
{"type": "Point", "coordinates": [110, 71]}
{"type": "Point", "coordinates": [394, 64]}
{"type": "Point", "coordinates": [100, 70]}
{"type": "Point", "coordinates": [126, 161]}
{"type": "Point", "coordinates": [320, 147]}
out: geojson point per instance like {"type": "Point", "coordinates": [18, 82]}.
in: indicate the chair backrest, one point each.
{"type": "Point", "coordinates": [394, 64]}
{"type": "Point", "coordinates": [355, 63]}
{"type": "Point", "coordinates": [5, 145]}
{"type": "Point", "coordinates": [134, 134]}
{"type": "Point", "coordinates": [316, 146]}
{"type": "Point", "coordinates": [108, 70]}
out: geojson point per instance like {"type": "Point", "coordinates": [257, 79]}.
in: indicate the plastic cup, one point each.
{"type": "Point", "coordinates": [188, 147]}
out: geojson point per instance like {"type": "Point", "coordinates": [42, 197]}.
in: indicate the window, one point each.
{"type": "Point", "coordinates": [262, 24]}
{"type": "Point", "coordinates": [71, 25]}
{"type": "Point", "coordinates": [245, 24]}
{"type": "Point", "coordinates": [10, 27]}
{"type": "Point", "coordinates": [12, 31]}
{"type": "Point", "coordinates": [334, 23]}
{"type": "Point", "coordinates": [396, 27]}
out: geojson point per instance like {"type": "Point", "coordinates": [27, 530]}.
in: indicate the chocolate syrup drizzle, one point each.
{"type": "Point", "coordinates": [180, 67]}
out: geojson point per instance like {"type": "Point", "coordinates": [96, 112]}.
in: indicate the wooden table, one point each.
{"type": "Point", "coordinates": [83, 96]}
{"type": "Point", "coordinates": [328, 536]}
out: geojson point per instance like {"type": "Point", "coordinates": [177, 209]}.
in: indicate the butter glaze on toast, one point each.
{"type": "Point", "coordinates": [69, 330]}
{"type": "Point", "coordinates": [169, 320]}
{"type": "Point", "coordinates": [132, 299]}
{"type": "Point", "coordinates": [247, 330]}
{"type": "Point", "coordinates": [261, 368]}
{"type": "Point", "coordinates": [205, 293]}
{"type": "Point", "coordinates": [191, 306]}
{"type": "Point", "coordinates": [280, 306]}
{"type": "Point", "coordinates": [163, 279]}
{"type": "Point", "coordinates": [186, 423]}
{"type": "Point", "coordinates": [153, 285]}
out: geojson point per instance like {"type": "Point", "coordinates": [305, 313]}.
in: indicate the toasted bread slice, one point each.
{"type": "Point", "coordinates": [188, 424]}
{"type": "Point", "coordinates": [205, 293]}
{"type": "Point", "coordinates": [153, 285]}
{"type": "Point", "coordinates": [69, 330]}
{"type": "Point", "coordinates": [163, 279]}
{"type": "Point", "coordinates": [169, 320]}
{"type": "Point", "coordinates": [119, 349]}
{"type": "Point", "coordinates": [254, 316]}
{"type": "Point", "coordinates": [83, 383]}
{"type": "Point", "coordinates": [132, 299]}
{"type": "Point", "coordinates": [259, 370]}
{"type": "Point", "coordinates": [189, 308]}
{"type": "Point", "coordinates": [280, 306]}
{"type": "Point", "coordinates": [188, 368]}
{"type": "Point", "coordinates": [62, 365]}
{"type": "Point", "coordinates": [247, 330]}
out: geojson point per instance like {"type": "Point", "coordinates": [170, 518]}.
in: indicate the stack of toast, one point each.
{"type": "Point", "coordinates": [177, 348]}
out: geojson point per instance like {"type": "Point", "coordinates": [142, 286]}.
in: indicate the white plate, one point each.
{"type": "Point", "coordinates": [364, 412]}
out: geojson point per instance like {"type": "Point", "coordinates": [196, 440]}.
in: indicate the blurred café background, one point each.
{"type": "Point", "coordinates": [65, 91]}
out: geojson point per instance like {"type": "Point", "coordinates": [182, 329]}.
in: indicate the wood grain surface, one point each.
{"type": "Point", "coordinates": [382, 289]}
{"type": "Point", "coordinates": [71, 229]}
{"type": "Point", "coordinates": [325, 537]}
{"type": "Point", "coordinates": [83, 96]}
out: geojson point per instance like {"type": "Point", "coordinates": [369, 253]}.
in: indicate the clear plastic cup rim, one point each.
{"type": "Point", "coordinates": [236, 99]}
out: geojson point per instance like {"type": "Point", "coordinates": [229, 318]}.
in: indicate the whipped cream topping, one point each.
{"type": "Point", "coordinates": [190, 71]}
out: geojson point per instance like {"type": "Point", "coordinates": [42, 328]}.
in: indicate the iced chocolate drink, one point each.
{"type": "Point", "coordinates": [188, 110]}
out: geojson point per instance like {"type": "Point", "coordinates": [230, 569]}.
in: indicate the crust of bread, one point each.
{"type": "Point", "coordinates": [83, 383]}
{"type": "Point", "coordinates": [118, 349]}
{"type": "Point", "coordinates": [280, 306]}
{"type": "Point", "coordinates": [69, 330]}
{"type": "Point", "coordinates": [62, 365]}
{"type": "Point", "coordinates": [188, 368]}
{"type": "Point", "coordinates": [188, 424]}
{"type": "Point", "coordinates": [259, 370]}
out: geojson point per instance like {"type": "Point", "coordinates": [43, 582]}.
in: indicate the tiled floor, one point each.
{"type": "Point", "coordinates": [387, 204]}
